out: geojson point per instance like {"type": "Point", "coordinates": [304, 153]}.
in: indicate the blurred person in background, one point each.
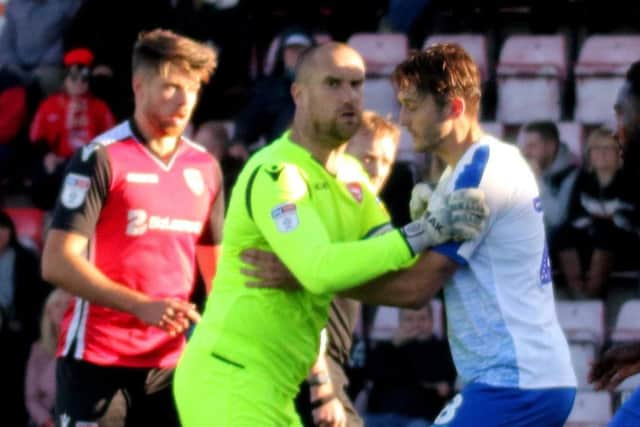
{"type": "Point", "coordinates": [556, 171]}
{"type": "Point", "coordinates": [412, 376]}
{"type": "Point", "coordinates": [601, 230]}
{"type": "Point", "coordinates": [65, 122]}
{"type": "Point", "coordinates": [40, 381]}
{"type": "Point", "coordinates": [22, 295]}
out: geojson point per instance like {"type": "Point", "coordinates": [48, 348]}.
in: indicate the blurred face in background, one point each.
{"type": "Point", "coordinates": [538, 151]}
{"type": "Point", "coordinates": [291, 54]}
{"type": "Point", "coordinates": [418, 322]}
{"type": "Point", "coordinates": [627, 116]}
{"type": "Point", "coordinates": [377, 152]}
{"type": "Point", "coordinates": [604, 153]}
{"type": "Point", "coordinates": [76, 82]}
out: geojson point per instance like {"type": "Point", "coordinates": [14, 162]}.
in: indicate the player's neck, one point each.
{"type": "Point", "coordinates": [325, 152]}
{"type": "Point", "coordinates": [161, 145]}
{"type": "Point", "coordinates": [463, 136]}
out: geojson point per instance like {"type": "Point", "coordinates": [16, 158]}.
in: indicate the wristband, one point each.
{"type": "Point", "coordinates": [318, 379]}
{"type": "Point", "coordinates": [315, 404]}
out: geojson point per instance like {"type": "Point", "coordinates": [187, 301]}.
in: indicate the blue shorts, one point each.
{"type": "Point", "coordinates": [629, 413]}
{"type": "Point", "coordinates": [481, 405]}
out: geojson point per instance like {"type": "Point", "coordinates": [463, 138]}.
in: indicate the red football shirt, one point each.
{"type": "Point", "coordinates": [143, 219]}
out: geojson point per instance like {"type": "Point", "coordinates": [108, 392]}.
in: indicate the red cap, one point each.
{"type": "Point", "coordinates": [79, 56]}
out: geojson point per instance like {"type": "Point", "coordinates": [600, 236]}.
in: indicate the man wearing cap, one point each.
{"type": "Point", "coordinates": [270, 109]}
{"type": "Point", "coordinates": [64, 122]}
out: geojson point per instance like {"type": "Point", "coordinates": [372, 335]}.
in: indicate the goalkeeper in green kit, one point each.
{"type": "Point", "coordinates": [305, 200]}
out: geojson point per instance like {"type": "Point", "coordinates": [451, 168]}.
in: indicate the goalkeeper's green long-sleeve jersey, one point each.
{"type": "Point", "coordinates": [285, 201]}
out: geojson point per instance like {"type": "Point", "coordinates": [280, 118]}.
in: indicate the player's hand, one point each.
{"type": "Point", "coordinates": [615, 366]}
{"type": "Point", "coordinates": [420, 197]}
{"type": "Point", "coordinates": [267, 271]}
{"type": "Point", "coordinates": [170, 314]}
{"type": "Point", "coordinates": [331, 414]}
{"type": "Point", "coordinates": [461, 215]}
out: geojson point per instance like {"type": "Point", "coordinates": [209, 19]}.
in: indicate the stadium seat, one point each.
{"type": "Point", "coordinates": [385, 323]}
{"type": "Point", "coordinates": [474, 44]}
{"type": "Point", "coordinates": [29, 224]}
{"type": "Point", "coordinates": [627, 325]}
{"type": "Point", "coordinates": [493, 128]}
{"type": "Point", "coordinates": [600, 69]}
{"type": "Point", "coordinates": [591, 409]}
{"type": "Point", "coordinates": [582, 355]}
{"type": "Point", "coordinates": [530, 73]}
{"type": "Point", "coordinates": [381, 51]}
{"type": "Point", "coordinates": [572, 135]}
{"type": "Point", "coordinates": [379, 95]}
{"type": "Point", "coordinates": [582, 321]}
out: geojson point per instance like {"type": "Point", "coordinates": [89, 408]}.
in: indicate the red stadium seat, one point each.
{"type": "Point", "coordinates": [381, 51]}
{"type": "Point", "coordinates": [29, 224]}
{"type": "Point", "coordinates": [602, 64]}
{"type": "Point", "coordinates": [474, 44]}
{"type": "Point", "coordinates": [530, 72]}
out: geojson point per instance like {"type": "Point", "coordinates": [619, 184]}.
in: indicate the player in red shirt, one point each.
{"type": "Point", "coordinates": [133, 205]}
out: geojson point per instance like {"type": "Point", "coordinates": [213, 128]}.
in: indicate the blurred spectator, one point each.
{"type": "Point", "coordinates": [13, 114]}
{"type": "Point", "coordinates": [270, 109]}
{"type": "Point", "coordinates": [601, 232]}
{"type": "Point", "coordinates": [412, 376]}
{"type": "Point", "coordinates": [627, 109]}
{"type": "Point", "coordinates": [22, 295]}
{"type": "Point", "coordinates": [31, 43]}
{"type": "Point", "coordinates": [556, 171]}
{"type": "Point", "coordinates": [65, 122]}
{"type": "Point", "coordinates": [40, 382]}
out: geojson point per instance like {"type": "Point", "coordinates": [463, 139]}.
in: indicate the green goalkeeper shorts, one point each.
{"type": "Point", "coordinates": [212, 391]}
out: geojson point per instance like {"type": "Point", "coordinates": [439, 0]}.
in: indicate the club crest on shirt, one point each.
{"type": "Point", "coordinates": [356, 190]}
{"type": "Point", "coordinates": [195, 181]}
{"type": "Point", "coordinates": [286, 217]}
{"type": "Point", "coordinates": [74, 190]}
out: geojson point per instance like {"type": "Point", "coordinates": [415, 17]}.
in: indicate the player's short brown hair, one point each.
{"type": "Point", "coordinates": [444, 71]}
{"type": "Point", "coordinates": [155, 50]}
{"type": "Point", "coordinates": [377, 125]}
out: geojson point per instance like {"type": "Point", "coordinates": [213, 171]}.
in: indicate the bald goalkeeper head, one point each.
{"type": "Point", "coordinates": [327, 93]}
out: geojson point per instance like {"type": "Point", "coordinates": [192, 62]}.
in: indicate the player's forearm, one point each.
{"type": "Point", "coordinates": [350, 262]}
{"type": "Point", "coordinates": [75, 274]}
{"type": "Point", "coordinates": [412, 287]}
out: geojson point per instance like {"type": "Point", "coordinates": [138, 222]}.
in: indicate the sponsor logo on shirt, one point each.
{"type": "Point", "coordinates": [356, 190]}
{"type": "Point", "coordinates": [195, 181]}
{"type": "Point", "coordinates": [74, 190]}
{"type": "Point", "coordinates": [139, 222]}
{"type": "Point", "coordinates": [286, 217]}
{"type": "Point", "coordinates": [142, 178]}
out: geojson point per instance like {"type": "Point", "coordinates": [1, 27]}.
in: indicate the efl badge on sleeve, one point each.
{"type": "Point", "coordinates": [74, 190]}
{"type": "Point", "coordinates": [194, 180]}
{"type": "Point", "coordinates": [286, 217]}
{"type": "Point", "coordinates": [356, 190]}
